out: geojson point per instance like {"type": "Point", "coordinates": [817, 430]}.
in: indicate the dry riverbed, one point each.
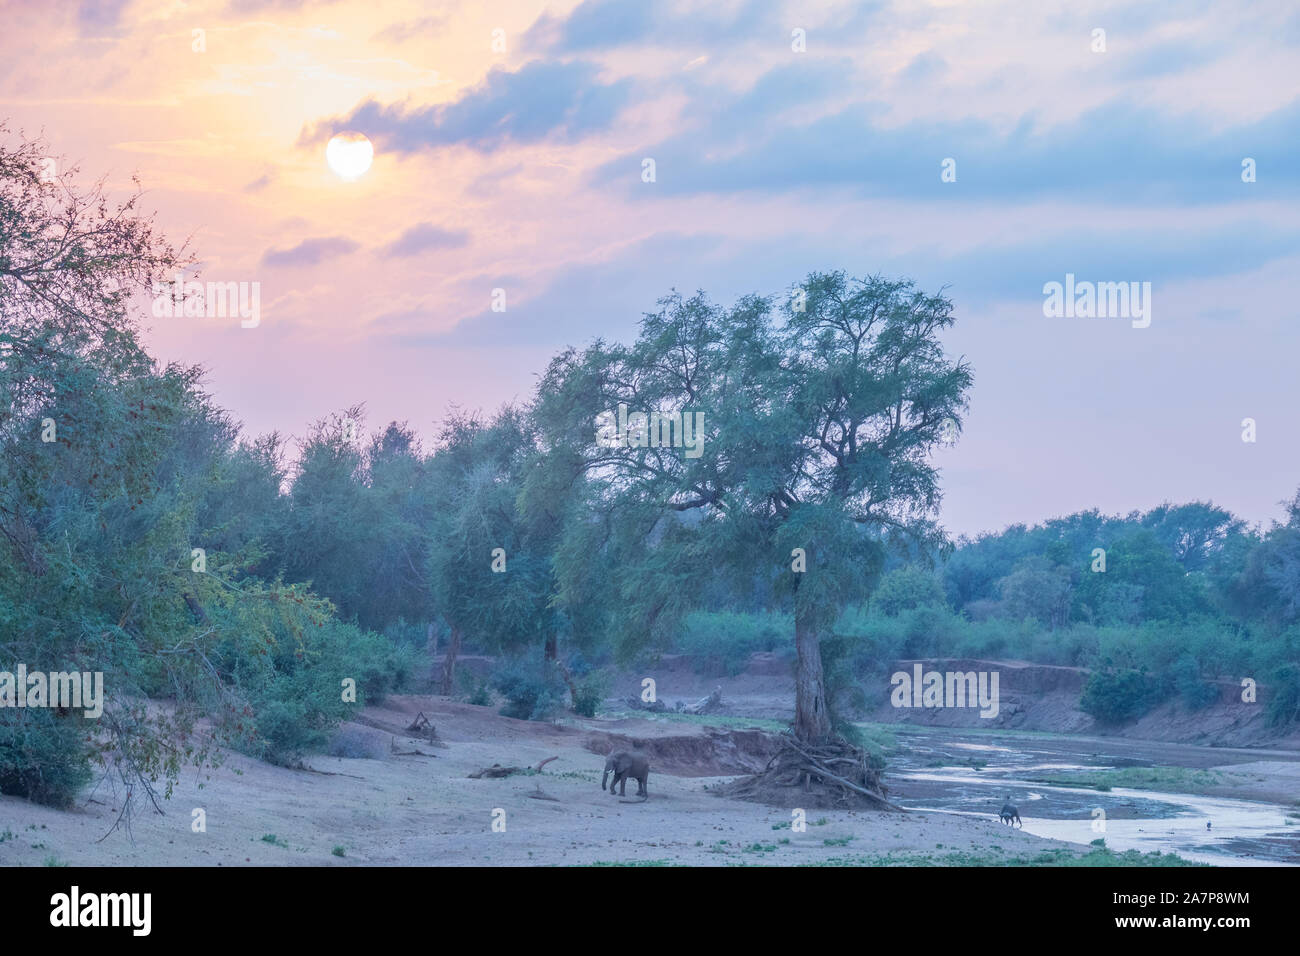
{"type": "Point", "coordinates": [391, 809]}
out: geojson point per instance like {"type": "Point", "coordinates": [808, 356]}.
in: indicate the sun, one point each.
{"type": "Point", "coordinates": [349, 155]}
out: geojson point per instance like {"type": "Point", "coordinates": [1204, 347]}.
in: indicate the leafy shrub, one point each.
{"type": "Point", "coordinates": [1196, 693]}
{"type": "Point", "coordinates": [290, 667]}
{"type": "Point", "coordinates": [1119, 696]}
{"type": "Point", "coordinates": [1284, 703]}
{"type": "Point", "coordinates": [529, 695]}
{"type": "Point", "coordinates": [43, 757]}
{"type": "Point", "coordinates": [477, 692]}
{"type": "Point", "coordinates": [592, 690]}
{"type": "Point", "coordinates": [907, 588]}
{"type": "Point", "coordinates": [722, 642]}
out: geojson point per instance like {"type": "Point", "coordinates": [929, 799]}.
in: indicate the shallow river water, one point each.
{"type": "Point", "coordinates": [964, 773]}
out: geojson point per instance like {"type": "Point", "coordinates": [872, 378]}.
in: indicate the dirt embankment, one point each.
{"type": "Point", "coordinates": [703, 752]}
{"type": "Point", "coordinates": [1040, 697]}
{"type": "Point", "coordinates": [1046, 698]}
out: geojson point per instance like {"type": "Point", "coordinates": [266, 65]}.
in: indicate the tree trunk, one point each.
{"type": "Point", "coordinates": [449, 663]}
{"type": "Point", "coordinates": [812, 722]}
{"type": "Point", "coordinates": [552, 650]}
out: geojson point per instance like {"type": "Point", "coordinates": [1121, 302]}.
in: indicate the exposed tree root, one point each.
{"type": "Point", "coordinates": [831, 775]}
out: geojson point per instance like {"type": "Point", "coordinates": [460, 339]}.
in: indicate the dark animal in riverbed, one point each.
{"type": "Point", "coordinates": [1010, 813]}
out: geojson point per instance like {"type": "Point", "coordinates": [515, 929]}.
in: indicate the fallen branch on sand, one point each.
{"type": "Point", "coordinates": [392, 748]}
{"type": "Point", "coordinates": [494, 771]}
{"type": "Point", "coordinates": [546, 761]}
{"type": "Point", "coordinates": [326, 773]}
{"type": "Point", "coordinates": [424, 728]}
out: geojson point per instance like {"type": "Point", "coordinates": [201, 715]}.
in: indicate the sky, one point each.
{"type": "Point", "coordinates": [985, 149]}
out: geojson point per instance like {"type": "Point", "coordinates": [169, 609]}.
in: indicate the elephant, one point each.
{"type": "Point", "coordinates": [1010, 813]}
{"type": "Point", "coordinates": [623, 765]}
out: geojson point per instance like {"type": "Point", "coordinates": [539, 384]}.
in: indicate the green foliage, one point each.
{"type": "Point", "coordinates": [1196, 693]}
{"type": "Point", "coordinates": [592, 689]}
{"type": "Point", "coordinates": [43, 758]}
{"type": "Point", "coordinates": [1284, 705]}
{"type": "Point", "coordinates": [288, 657]}
{"type": "Point", "coordinates": [907, 588]}
{"type": "Point", "coordinates": [819, 424]}
{"type": "Point", "coordinates": [479, 693]}
{"type": "Point", "coordinates": [1120, 696]}
{"type": "Point", "coordinates": [722, 642]}
{"type": "Point", "coordinates": [529, 695]}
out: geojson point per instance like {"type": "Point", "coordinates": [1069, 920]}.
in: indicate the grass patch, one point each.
{"type": "Point", "coordinates": [1164, 779]}
{"type": "Point", "coordinates": [882, 736]}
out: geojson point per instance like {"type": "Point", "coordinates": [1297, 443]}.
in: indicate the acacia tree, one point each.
{"type": "Point", "coordinates": [819, 419]}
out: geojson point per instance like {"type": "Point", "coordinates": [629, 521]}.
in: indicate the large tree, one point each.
{"type": "Point", "coordinates": [818, 419]}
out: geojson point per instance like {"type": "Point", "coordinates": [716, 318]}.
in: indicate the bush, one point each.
{"type": "Point", "coordinates": [1120, 696]}
{"type": "Point", "coordinates": [477, 692]}
{"type": "Point", "coordinates": [721, 642]}
{"type": "Point", "coordinates": [43, 757]}
{"type": "Point", "coordinates": [529, 696]}
{"type": "Point", "coordinates": [592, 690]}
{"type": "Point", "coordinates": [287, 729]}
{"type": "Point", "coordinates": [1196, 693]}
{"type": "Point", "coordinates": [907, 588]}
{"type": "Point", "coordinates": [292, 679]}
{"type": "Point", "coordinates": [1284, 703]}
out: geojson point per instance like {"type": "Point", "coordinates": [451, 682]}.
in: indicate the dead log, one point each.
{"type": "Point", "coordinates": [706, 705]}
{"type": "Point", "coordinates": [495, 771]}
{"type": "Point", "coordinates": [392, 748]}
{"type": "Point", "coordinates": [654, 706]}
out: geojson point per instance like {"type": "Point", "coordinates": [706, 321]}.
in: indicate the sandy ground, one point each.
{"type": "Point", "coordinates": [418, 810]}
